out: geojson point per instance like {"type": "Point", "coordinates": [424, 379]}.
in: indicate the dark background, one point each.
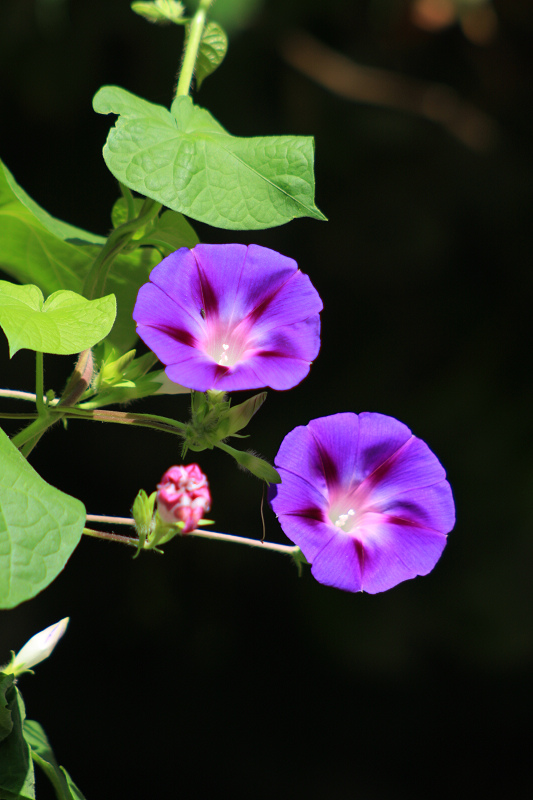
{"type": "Point", "coordinates": [214, 669]}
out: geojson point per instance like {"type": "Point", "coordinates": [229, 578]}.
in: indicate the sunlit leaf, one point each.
{"type": "Point", "coordinates": [38, 249]}
{"type": "Point", "coordinates": [65, 323]}
{"type": "Point", "coordinates": [162, 11]}
{"type": "Point", "coordinates": [187, 161]}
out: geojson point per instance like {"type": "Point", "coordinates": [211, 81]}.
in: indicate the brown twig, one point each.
{"type": "Point", "coordinates": [434, 101]}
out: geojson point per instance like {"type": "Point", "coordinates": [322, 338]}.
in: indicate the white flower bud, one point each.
{"type": "Point", "coordinates": [37, 648]}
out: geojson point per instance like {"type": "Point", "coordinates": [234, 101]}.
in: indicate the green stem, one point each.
{"type": "Point", "coordinates": [196, 29]}
{"type": "Point", "coordinates": [154, 421]}
{"type": "Point", "coordinates": [111, 537]}
{"type": "Point", "coordinates": [94, 285]}
{"type": "Point", "coordinates": [128, 197]}
{"type": "Point", "coordinates": [39, 383]}
{"type": "Point", "coordinates": [18, 416]}
{"type": "Point", "coordinates": [37, 427]}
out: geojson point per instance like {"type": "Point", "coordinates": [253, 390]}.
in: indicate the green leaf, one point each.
{"type": "Point", "coordinates": [39, 528]}
{"type": "Point", "coordinates": [74, 791]}
{"type": "Point", "coordinates": [61, 230]}
{"type": "Point", "coordinates": [43, 755]}
{"type": "Point", "coordinates": [162, 11]}
{"type": "Point", "coordinates": [187, 161]}
{"type": "Point", "coordinates": [16, 768]}
{"type": "Point", "coordinates": [119, 213]}
{"type": "Point", "coordinates": [170, 232]}
{"type": "Point", "coordinates": [213, 48]}
{"type": "Point", "coordinates": [6, 723]}
{"type": "Point", "coordinates": [36, 248]}
{"type": "Point", "coordinates": [65, 323]}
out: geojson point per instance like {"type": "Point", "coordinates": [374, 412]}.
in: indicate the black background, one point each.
{"type": "Point", "coordinates": [214, 669]}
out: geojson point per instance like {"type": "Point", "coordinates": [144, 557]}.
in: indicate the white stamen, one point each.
{"type": "Point", "coordinates": [342, 519]}
{"type": "Point", "coordinates": [224, 356]}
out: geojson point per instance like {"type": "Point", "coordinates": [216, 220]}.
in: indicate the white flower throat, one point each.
{"type": "Point", "coordinates": [345, 521]}
{"type": "Point", "coordinates": [223, 360]}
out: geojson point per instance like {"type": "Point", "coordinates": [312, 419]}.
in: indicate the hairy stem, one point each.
{"type": "Point", "coordinates": [194, 38]}
{"type": "Point", "coordinates": [111, 537]}
{"type": "Point", "coordinates": [36, 428]}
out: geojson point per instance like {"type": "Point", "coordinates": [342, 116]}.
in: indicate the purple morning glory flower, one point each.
{"type": "Point", "coordinates": [367, 502]}
{"type": "Point", "coordinates": [228, 317]}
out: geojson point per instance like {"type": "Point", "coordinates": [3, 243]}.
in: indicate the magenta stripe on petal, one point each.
{"type": "Point", "coordinates": [367, 502]}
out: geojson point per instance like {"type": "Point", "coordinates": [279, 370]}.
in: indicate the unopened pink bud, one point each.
{"type": "Point", "coordinates": [183, 496]}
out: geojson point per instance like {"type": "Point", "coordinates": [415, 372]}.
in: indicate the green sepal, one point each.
{"type": "Point", "coordinates": [163, 532]}
{"type": "Point", "coordinates": [163, 12]}
{"type": "Point", "coordinates": [299, 560]}
{"type": "Point", "coordinates": [239, 416]}
{"type": "Point", "coordinates": [143, 514]}
{"type": "Point", "coordinates": [122, 377]}
{"type": "Point", "coordinates": [257, 466]}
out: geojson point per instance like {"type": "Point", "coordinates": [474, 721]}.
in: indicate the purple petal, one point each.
{"type": "Point", "coordinates": [396, 552]}
{"type": "Point", "coordinates": [248, 312]}
{"type": "Point", "coordinates": [243, 278]}
{"type": "Point", "coordinates": [297, 497]}
{"type": "Point", "coordinates": [365, 500]}
{"type": "Point", "coordinates": [412, 466]}
{"type": "Point", "coordinates": [299, 455]}
{"type": "Point", "coordinates": [432, 506]}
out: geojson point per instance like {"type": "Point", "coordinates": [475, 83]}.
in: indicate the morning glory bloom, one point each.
{"type": "Point", "coordinates": [367, 502]}
{"type": "Point", "coordinates": [230, 317]}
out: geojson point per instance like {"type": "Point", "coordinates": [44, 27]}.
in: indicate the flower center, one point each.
{"type": "Point", "coordinates": [345, 521]}
{"type": "Point", "coordinates": [226, 345]}
{"type": "Point", "coordinates": [223, 360]}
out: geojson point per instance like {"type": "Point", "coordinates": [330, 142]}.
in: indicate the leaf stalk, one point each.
{"type": "Point", "coordinates": [192, 46]}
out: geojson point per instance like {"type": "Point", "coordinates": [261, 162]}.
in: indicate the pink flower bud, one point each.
{"type": "Point", "coordinates": [183, 496]}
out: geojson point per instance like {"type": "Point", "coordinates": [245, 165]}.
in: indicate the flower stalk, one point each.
{"type": "Point", "coordinates": [284, 549]}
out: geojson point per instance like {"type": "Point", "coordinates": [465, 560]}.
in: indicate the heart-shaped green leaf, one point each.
{"type": "Point", "coordinates": [65, 323]}
{"type": "Point", "coordinates": [39, 528]}
{"type": "Point", "coordinates": [37, 248]}
{"type": "Point", "coordinates": [187, 161]}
